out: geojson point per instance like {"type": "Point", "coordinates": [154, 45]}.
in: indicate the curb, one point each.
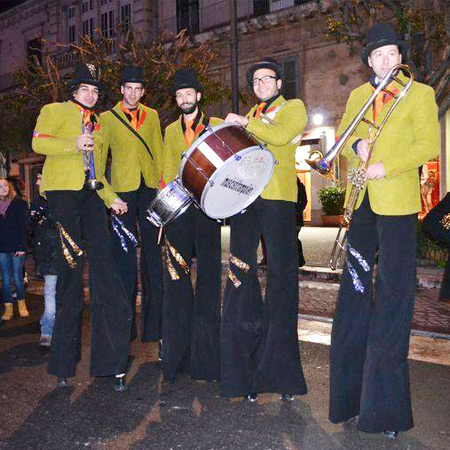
{"type": "Point", "coordinates": [427, 277]}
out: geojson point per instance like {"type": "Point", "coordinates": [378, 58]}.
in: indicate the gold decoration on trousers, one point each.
{"type": "Point", "coordinates": [445, 221]}
{"type": "Point", "coordinates": [178, 258]}
{"type": "Point", "coordinates": [63, 234]}
{"type": "Point", "coordinates": [241, 265]}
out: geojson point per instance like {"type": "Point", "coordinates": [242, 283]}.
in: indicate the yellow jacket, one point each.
{"type": "Point", "coordinates": [130, 158]}
{"type": "Point", "coordinates": [175, 145]}
{"type": "Point", "coordinates": [55, 135]}
{"type": "Point", "coordinates": [409, 138]}
{"type": "Point", "coordinates": [290, 121]}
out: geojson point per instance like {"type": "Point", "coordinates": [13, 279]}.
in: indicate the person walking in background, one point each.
{"type": "Point", "coordinates": [13, 224]}
{"type": "Point", "coordinates": [45, 244]}
{"type": "Point", "coordinates": [302, 201]}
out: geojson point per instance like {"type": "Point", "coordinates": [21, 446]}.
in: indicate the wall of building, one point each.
{"type": "Point", "coordinates": [48, 19]}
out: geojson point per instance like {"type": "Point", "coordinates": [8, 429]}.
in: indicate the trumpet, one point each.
{"type": "Point", "coordinates": [357, 177]}
{"type": "Point", "coordinates": [91, 181]}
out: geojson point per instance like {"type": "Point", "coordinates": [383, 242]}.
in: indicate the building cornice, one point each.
{"type": "Point", "coordinates": [23, 11]}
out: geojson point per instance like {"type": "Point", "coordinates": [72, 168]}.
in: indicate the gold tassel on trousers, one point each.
{"type": "Point", "coordinates": [239, 264]}
{"type": "Point", "coordinates": [178, 258]}
{"type": "Point", "coordinates": [63, 234]}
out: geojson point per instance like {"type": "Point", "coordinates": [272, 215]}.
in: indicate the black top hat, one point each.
{"type": "Point", "coordinates": [186, 78]}
{"type": "Point", "coordinates": [86, 74]}
{"type": "Point", "coordinates": [132, 74]}
{"type": "Point", "coordinates": [380, 35]}
{"type": "Point", "coordinates": [266, 63]}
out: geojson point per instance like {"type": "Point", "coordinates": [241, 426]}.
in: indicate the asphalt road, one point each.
{"type": "Point", "coordinates": [188, 414]}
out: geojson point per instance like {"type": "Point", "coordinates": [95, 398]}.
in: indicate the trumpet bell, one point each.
{"type": "Point", "coordinates": [93, 185]}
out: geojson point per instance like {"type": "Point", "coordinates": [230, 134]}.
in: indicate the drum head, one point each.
{"type": "Point", "coordinates": [238, 182]}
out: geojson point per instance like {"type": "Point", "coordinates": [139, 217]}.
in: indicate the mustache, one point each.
{"type": "Point", "coordinates": [188, 107]}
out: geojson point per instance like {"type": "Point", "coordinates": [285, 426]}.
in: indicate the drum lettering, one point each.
{"type": "Point", "coordinates": [237, 186]}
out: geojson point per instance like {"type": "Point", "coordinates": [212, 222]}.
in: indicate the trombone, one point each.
{"type": "Point", "coordinates": [357, 177]}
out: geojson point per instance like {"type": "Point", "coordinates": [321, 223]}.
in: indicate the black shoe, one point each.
{"type": "Point", "coordinates": [251, 397]}
{"type": "Point", "coordinates": [120, 385]}
{"type": "Point", "coordinates": [390, 434]}
{"type": "Point", "coordinates": [287, 397]}
{"type": "Point", "coordinates": [159, 350]}
{"type": "Point", "coordinates": [61, 382]}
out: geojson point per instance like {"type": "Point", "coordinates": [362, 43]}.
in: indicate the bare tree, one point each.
{"type": "Point", "coordinates": [43, 81]}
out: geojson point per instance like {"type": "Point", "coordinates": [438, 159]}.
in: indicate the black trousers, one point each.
{"type": "Point", "coordinates": [83, 216]}
{"type": "Point", "coordinates": [191, 321]}
{"type": "Point", "coordinates": [151, 263]}
{"type": "Point", "coordinates": [259, 341]}
{"type": "Point", "coordinates": [370, 338]}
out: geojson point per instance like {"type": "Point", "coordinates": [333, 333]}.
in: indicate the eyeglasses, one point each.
{"type": "Point", "coordinates": [264, 80]}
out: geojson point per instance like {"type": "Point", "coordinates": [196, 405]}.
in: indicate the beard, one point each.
{"type": "Point", "coordinates": [188, 108]}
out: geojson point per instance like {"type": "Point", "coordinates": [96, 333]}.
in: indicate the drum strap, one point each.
{"type": "Point", "coordinates": [133, 131]}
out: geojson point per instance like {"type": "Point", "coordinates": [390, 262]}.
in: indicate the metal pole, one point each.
{"type": "Point", "coordinates": [234, 57]}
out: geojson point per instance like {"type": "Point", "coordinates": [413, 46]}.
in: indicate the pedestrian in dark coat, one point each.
{"type": "Point", "coordinates": [46, 246]}
{"type": "Point", "coordinates": [302, 201]}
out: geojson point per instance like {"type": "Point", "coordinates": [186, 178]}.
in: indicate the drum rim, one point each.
{"type": "Point", "coordinates": [200, 139]}
{"type": "Point", "coordinates": [229, 161]}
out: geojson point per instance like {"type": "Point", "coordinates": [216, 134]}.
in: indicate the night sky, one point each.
{"type": "Point", "coordinates": [8, 4]}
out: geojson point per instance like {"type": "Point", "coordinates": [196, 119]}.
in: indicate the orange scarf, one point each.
{"type": "Point", "coordinates": [189, 133]}
{"type": "Point", "coordinates": [259, 109]}
{"type": "Point", "coordinates": [382, 99]}
{"type": "Point", "coordinates": [137, 116]}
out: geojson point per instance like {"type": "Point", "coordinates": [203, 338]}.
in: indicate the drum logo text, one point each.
{"type": "Point", "coordinates": [237, 186]}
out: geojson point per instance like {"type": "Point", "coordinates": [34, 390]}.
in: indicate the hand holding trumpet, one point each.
{"type": "Point", "coordinates": [85, 142]}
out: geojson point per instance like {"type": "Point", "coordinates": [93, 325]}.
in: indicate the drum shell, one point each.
{"type": "Point", "coordinates": [226, 142]}
{"type": "Point", "coordinates": [170, 203]}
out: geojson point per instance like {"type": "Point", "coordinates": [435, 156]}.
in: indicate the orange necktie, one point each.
{"type": "Point", "coordinates": [259, 109]}
{"type": "Point", "coordinates": [189, 132]}
{"type": "Point", "coordinates": [134, 116]}
{"type": "Point", "coordinates": [383, 98]}
{"type": "Point", "coordinates": [87, 115]}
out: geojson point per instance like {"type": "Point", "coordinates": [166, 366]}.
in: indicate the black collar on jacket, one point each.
{"type": "Point", "coordinates": [268, 102]}
{"type": "Point", "coordinates": [199, 118]}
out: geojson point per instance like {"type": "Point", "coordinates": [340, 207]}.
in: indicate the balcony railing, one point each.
{"type": "Point", "coordinates": [217, 14]}
{"type": "Point", "coordinates": [69, 58]}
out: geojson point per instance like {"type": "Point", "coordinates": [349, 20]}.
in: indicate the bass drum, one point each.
{"type": "Point", "coordinates": [170, 203]}
{"type": "Point", "coordinates": [225, 170]}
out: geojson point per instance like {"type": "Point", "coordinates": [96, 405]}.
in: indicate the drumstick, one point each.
{"type": "Point", "coordinates": [264, 116]}
{"type": "Point", "coordinates": [159, 235]}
